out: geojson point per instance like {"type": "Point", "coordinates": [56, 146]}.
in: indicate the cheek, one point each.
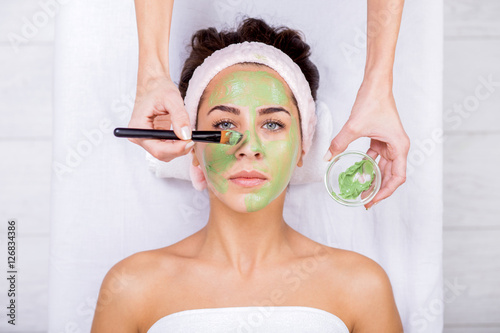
{"type": "Point", "coordinates": [217, 157]}
{"type": "Point", "coordinates": [281, 157]}
{"type": "Point", "coordinates": [282, 154]}
{"type": "Point", "coordinates": [216, 161]}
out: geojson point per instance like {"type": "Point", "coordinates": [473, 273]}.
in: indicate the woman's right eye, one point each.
{"type": "Point", "coordinates": [223, 125]}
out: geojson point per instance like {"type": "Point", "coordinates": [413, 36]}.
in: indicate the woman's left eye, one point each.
{"type": "Point", "coordinates": [273, 125]}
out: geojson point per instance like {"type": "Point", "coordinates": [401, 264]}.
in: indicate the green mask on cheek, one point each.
{"type": "Point", "coordinates": [253, 90]}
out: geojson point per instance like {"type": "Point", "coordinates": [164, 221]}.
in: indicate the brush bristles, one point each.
{"type": "Point", "coordinates": [225, 137]}
{"type": "Point", "coordinates": [230, 137]}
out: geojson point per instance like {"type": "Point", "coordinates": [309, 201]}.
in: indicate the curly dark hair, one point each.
{"type": "Point", "coordinates": [206, 41]}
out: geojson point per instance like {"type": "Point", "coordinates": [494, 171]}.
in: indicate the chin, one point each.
{"type": "Point", "coordinates": [242, 202]}
{"type": "Point", "coordinates": [239, 202]}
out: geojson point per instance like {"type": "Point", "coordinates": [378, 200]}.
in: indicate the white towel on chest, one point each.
{"type": "Point", "coordinates": [267, 319]}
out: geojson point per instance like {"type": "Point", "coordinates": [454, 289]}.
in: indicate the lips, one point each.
{"type": "Point", "coordinates": [248, 178]}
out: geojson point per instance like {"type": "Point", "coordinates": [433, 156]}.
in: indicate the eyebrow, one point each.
{"type": "Point", "coordinates": [273, 110]}
{"type": "Point", "coordinates": [237, 112]}
{"type": "Point", "coordinates": [225, 109]}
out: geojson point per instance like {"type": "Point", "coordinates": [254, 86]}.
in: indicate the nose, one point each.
{"type": "Point", "coordinates": [250, 146]}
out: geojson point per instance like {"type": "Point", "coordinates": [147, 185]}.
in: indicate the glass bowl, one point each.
{"type": "Point", "coordinates": [353, 193]}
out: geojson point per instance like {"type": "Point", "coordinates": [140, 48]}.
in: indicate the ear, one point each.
{"type": "Point", "coordinates": [300, 162]}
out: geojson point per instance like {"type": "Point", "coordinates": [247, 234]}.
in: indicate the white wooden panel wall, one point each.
{"type": "Point", "coordinates": [25, 156]}
{"type": "Point", "coordinates": [471, 195]}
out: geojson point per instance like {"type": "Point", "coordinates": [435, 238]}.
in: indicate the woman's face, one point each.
{"type": "Point", "coordinates": [255, 101]}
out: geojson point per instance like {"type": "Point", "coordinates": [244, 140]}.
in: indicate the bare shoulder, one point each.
{"type": "Point", "coordinates": [125, 287]}
{"type": "Point", "coordinates": [141, 268]}
{"type": "Point", "coordinates": [359, 269]}
{"type": "Point", "coordinates": [147, 263]}
{"type": "Point", "coordinates": [352, 271]}
{"type": "Point", "coordinates": [367, 290]}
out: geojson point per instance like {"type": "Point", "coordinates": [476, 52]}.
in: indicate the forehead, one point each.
{"type": "Point", "coordinates": [248, 84]}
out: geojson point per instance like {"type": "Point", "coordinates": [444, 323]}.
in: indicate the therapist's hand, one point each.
{"type": "Point", "coordinates": [158, 103]}
{"type": "Point", "coordinates": [374, 115]}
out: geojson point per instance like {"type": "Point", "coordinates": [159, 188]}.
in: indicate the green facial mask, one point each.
{"type": "Point", "coordinates": [356, 179]}
{"type": "Point", "coordinates": [253, 90]}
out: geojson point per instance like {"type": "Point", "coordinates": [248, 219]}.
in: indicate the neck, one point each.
{"type": "Point", "coordinates": [245, 241]}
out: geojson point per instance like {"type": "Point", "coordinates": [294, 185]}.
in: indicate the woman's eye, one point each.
{"type": "Point", "coordinates": [224, 125]}
{"type": "Point", "coordinates": [272, 126]}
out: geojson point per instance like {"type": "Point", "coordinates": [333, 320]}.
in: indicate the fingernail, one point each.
{"type": "Point", "coordinates": [185, 133]}
{"type": "Point", "coordinates": [327, 156]}
{"type": "Point", "coordinates": [189, 145]}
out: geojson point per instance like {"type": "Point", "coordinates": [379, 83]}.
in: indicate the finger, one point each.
{"type": "Point", "coordinates": [340, 143]}
{"type": "Point", "coordinates": [399, 167]}
{"type": "Point", "coordinates": [394, 171]}
{"type": "Point", "coordinates": [391, 182]}
{"type": "Point", "coordinates": [162, 122]}
{"type": "Point", "coordinates": [385, 170]}
{"type": "Point", "coordinates": [382, 164]}
{"type": "Point", "coordinates": [142, 117]}
{"type": "Point", "coordinates": [166, 150]}
{"type": "Point", "coordinates": [372, 153]}
{"type": "Point", "coordinates": [179, 118]}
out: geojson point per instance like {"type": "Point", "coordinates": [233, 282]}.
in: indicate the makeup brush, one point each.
{"type": "Point", "coordinates": [224, 137]}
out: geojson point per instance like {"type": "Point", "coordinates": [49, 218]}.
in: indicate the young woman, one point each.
{"type": "Point", "coordinates": [247, 270]}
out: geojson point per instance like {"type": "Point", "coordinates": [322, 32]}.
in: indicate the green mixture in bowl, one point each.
{"type": "Point", "coordinates": [356, 179]}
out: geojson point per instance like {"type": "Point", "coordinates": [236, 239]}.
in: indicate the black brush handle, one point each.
{"type": "Point", "coordinates": [198, 136]}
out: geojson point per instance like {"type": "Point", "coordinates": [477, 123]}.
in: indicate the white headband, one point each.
{"type": "Point", "coordinates": [260, 53]}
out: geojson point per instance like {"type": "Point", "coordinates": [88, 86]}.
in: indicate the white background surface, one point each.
{"type": "Point", "coordinates": [472, 206]}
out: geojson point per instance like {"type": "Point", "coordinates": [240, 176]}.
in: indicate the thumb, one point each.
{"type": "Point", "coordinates": [341, 142]}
